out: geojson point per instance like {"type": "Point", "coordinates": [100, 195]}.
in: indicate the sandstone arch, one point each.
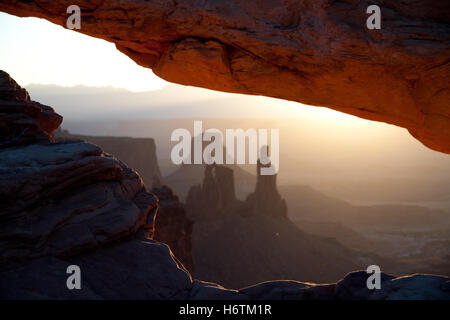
{"type": "Point", "coordinates": [317, 52]}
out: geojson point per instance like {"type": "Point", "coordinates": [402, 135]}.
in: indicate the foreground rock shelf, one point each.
{"type": "Point", "coordinates": [69, 203]}
{"type": "Point", "coordinates": [135, 269]}
{"type": "Point", "coordinates": [317, 52]}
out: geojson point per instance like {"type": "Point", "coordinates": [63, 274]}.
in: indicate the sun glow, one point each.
{"type": "Point", "coordinates": [34, 50]}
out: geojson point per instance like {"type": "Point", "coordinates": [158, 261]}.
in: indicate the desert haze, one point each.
{"type": "Point", "coordinates": [346, 157]}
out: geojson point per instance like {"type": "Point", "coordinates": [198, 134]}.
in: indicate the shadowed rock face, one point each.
{"type": "Point", "coordinates": [137, 153]}
{"type": "Point", "coordinates": [60, 199]}
{"type": "Point", "coordinates": [317, 52]}
{"type": "Point", "coordinates": [266, 199]}
{"type": "Point", "coordinates": [23, 121]}
{"type": "Point", "coordinates": [215, 197]}
{"type": "Point", "coordinates": [70, 203]}
{"type": "Point", "coordinates": [173, 226]}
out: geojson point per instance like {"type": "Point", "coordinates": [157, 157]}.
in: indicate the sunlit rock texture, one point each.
{"type": "Point", "coordinates": [317, 52]}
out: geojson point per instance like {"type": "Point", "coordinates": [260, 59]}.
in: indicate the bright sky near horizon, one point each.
{"type": "Point", "coordinates": [34, 50]}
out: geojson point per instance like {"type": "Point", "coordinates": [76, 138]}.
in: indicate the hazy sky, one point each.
{"type": "Point", "coordinates": [34, 50]}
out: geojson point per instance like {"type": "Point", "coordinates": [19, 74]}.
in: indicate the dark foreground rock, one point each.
{"type": "Point", "coordinates": [131, 269]}
{"type": "Point", "coordinates": [23, 121]}
{"type": "Point", "coordinates": [353, 287]}
{"type": "Point", "coordinates": [173, 226]}
{"type": "Point", "coordinates": [60, 199]}
{"type": "Point", "coordinates": [146, 269]}
{"type": "Point", "coordinates": [137, 153]}
{"type": "Point", "coordinates": [68, 204]}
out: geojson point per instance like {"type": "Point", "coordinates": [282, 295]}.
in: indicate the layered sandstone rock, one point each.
{"type": "Point", "coordinates": [173, 227]}
{"type": "Point", "coordinates": [23, 121]}
{"type": "Point", "coordinates": [60, 199]}
{"type": "Point", "coordinates": [137, 153]}
{"type": "Point", "coordinates": [317, 52]}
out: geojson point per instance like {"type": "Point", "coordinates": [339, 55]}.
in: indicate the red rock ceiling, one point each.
{"type": "Point", "coordinates": [317, 52]}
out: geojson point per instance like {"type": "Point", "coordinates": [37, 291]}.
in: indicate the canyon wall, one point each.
{"type": "Point", "coordinates": [318, 52]}
{"type": "Point", "coordinates": [137, 153]}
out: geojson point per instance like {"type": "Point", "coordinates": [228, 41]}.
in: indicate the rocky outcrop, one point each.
{"type": "Point", "coordinates": [46, 279]}
{"type": "Point", "coordinates": [138, 153]}
{"type": "Point", "coordinates": [129, 269]}
{"type": "Point", "coordinates": [188, 175]}
{"type": "Point", "coordinates": [71, 204]}
{"type": "Point", "coordinates": [23, 121]}
{"type": "Point", "coordinates": [215, 197]}
{"type": "Point", "coordinates": [173, 226]}
{"type": "Point", "coordinates": [60, 199]}
{"type": "Point", "coordinates": [265, 200]}
{"type": "Point", "coordinates": [353, 287]}
{"type": "Point", "coordinates": [317, 52]}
